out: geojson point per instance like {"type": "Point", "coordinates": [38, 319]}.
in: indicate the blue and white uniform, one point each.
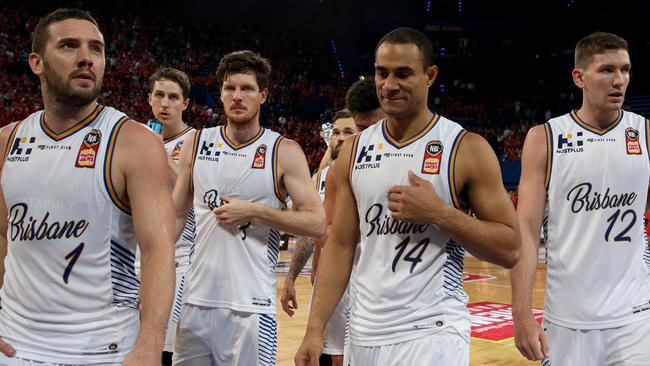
{"type": "Point", "coordinates": [597, 272]}
{"type": "Point", "coordinates": [70, 289]}
{"type": "Point", "coordinates": [184, 246]}
{"type": "Point", "coordinates": [407, 284]}
{"type": "Point", "coordinates": [230, 299]}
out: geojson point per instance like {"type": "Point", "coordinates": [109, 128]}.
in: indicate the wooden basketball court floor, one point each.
{"type": "Point", "coordinates": [482, 352]}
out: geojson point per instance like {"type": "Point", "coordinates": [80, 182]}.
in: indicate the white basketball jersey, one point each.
{"type": "Point", "coordinates": [320, 182]}
{"type": "Point", "coordinates": [408, 281]}
{"type": "Point", "coordinates": [185, 243]}
{"type": "Point", "coordinates": [597, 183]}
{"type": "Point", "coordinates": [234, 267]}
{"type": "Point", "coordinates": [70, 289]}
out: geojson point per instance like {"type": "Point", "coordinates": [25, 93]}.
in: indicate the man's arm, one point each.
{"type": "Point", "coordinates": [4, 136]}
{"type": "Point", "coordinates": [330, 194]}
{"type": "Point", "coordinates": [335, 262]}
{"type": "Point", "coordinates": [304, 248]}
{"type": "Point", "coordinates": [5, 348]}
{"type": "Point", "coordinates": [143, 183]}
{"type": "Point", "coordinates": [328, 204]}
{"type": "Point", "coordinates": [494, 237]}
{"type": "Point", "coordinates": [173, 170]}
{"type": "Point", "coordinates": [182, 196]}
{"type": "Point", "coordinates": [3, 234]}
{"type": "Point", "coordinates": [529, 336]}
{"type": "Point", "coordinates": [306, 219]}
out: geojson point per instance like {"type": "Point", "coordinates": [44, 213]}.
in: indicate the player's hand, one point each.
{"type": "Point", "coordinates": [6, 348]}
{"type": "Point", "coordinates": [309, 351]}
{"type": "Point", "coordinates": [530, 338]}
{"type": "Point", "coordinates": [288, 300]}
{"type": "Point", "coordinates": [415, 203]}
{"type": "Point", "coordinates": [141, 357]}
{"type": "Point", "coordinates": [233, 211]}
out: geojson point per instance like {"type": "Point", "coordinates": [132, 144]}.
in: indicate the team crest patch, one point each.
{"type": "Point", "coordinates": [177, 151]}
{"type": "Point", "coordinates": [432, 157]}
{"type": "Point", "coordinates": [260, 157]}
{"type": "Point", "coordinates": [632, 141]}
{"type": "Point", "coordinates": [88, 150]}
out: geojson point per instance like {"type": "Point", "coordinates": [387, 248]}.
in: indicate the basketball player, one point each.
{"type": "Point", "coordinates": [408, 301]}
{"type": "Point", "coordinates": [238, 177]}
{"type": "Point", "coordinates": [169, 92]}
{"type": "Point", "coordinates": [361, 100]}
{"type": "Point", "coordinates": [342, 127]}
{"type": "Point", "coordinates": [589, 168]}
{"type": "Point", "coordinates": [74, 201]}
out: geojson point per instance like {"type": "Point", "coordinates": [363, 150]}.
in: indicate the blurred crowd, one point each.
{"type": "Point", "coordinates": [306, 86]}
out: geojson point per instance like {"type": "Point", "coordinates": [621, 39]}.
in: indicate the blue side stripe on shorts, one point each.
{"type": "Point", "coordinates": [178, 302]}
{"type": "Point", "coordinates": [268, 343]}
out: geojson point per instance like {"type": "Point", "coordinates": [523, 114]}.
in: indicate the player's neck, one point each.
{"type": "Point", "coordinates": [407, 127]}
{"type": "Point", "coordinates": [59, 117]}
{"type": "Point", "coordinates": [173, 129]}
{"type": "Point", "coordinates": [597, 118]}
{"type": "Point", "coordinates": [240, 133]}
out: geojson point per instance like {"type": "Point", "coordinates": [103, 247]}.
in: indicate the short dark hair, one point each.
{"type": "Point", "coordinates": [343, 113]}
{"type": "Point", "coordinates": [173, 75]}
{"type": "Point", "coordinates": [361, 97]}
{"type": "Point", "coordinates": [595, 43]}
{"type": "Point", "coordinates": [41, 33]}
{"type": "Point", "coordinates": [410, 36]}
{"type": "Point", "coordinates": [244, 62]}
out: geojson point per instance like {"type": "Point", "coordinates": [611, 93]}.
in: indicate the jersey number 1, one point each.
{"type": "Point", "coordinates": [72, 256]}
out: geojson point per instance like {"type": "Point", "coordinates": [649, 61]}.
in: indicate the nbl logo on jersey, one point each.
{"type": "Point", "coordinates": [569, 143]}
{"type": "Point", "coordinates": [260, 157]}
{"type": "Point", "coordinates": [87, 155]}
{"type": "Point", "coordinates": [432, 158]}
{"type": "Point", "coordinates": [632, 144]}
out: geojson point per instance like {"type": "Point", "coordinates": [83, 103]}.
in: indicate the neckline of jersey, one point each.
{"type": "Point", "coordinates": [597, 131]}
{"type": "Point", "coordinates": [403, 143]}
{"type": "Point", "coordinates": [86, 121]}
{"type": "Point", "coordinates": [243, 144]}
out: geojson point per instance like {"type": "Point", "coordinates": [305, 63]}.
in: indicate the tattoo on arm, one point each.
{"type": "Point", "coordinates": [304, 248]}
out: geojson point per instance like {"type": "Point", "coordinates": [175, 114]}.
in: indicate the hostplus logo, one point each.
{"type": "Point", "coordinates": [21, 149]}
{"type": "Point", "coordinates": [369, 158]}
{"type": "Point", "coordinates": [207, 152]}
{"type": "Point", "coordinates": [569, 143]}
